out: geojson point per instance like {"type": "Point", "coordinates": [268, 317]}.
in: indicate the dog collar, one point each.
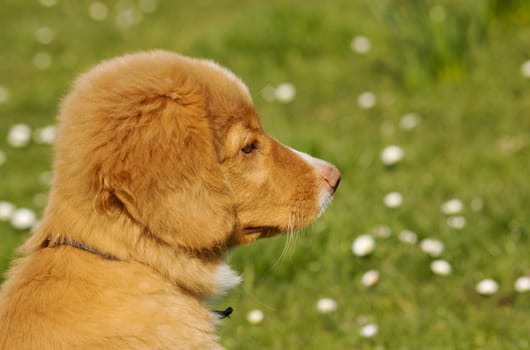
{"type": "Point", "coordinates": [224, 313]}
{"type": "Point", "coordinates": [83, 247]}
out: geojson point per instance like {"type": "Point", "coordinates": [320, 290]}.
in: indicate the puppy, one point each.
{"type": "Point", "coordinates": [161, 166]}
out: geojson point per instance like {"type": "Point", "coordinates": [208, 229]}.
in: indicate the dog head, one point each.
{"type": "Point", "coordinates": [175, 145]}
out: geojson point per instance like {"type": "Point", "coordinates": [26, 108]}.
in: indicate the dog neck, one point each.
{"type": "Point", "coordinates": [224, 274]}
{"type": "Point", "coordinates": [201, 273]}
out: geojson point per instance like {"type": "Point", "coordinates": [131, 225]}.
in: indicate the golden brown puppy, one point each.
{"type": "Point", "coordinates": [161, 165]}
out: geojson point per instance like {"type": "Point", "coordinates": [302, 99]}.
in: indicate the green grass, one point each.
{"type": "Point", "coordinates": [461, 75]}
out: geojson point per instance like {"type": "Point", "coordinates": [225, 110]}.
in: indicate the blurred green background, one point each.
{"type": "Point", "coordinates": [447, 81]}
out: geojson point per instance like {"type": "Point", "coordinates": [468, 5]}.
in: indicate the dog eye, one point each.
{"type": "Point", "coordinates": [250, 147]}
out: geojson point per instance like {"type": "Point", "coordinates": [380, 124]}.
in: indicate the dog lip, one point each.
{"type": "Point", "coordinates": [254, 229]}
{"type": "Point", "coordinates": [264, 231]}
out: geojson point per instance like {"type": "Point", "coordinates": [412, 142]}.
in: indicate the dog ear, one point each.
{"type": "Point", "coordinates": [113, 195]}
{"type": "Point", "coordinates": [161, 168]}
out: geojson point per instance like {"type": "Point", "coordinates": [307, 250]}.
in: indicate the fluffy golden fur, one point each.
{"type": "Point", "coordinates": [161, 166]}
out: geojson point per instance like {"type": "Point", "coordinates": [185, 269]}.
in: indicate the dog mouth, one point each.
{"type": "Point", "coordinates": [249, 230]}
{"type": "Point", "coordinates": [250, 234]}
{"type": "Point", "coordinates": [261, 231]}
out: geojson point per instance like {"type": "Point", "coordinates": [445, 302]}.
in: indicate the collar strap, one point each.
{"type": "Point", "coordinates": [83, 247]}
{"type": "Point", "coordinates": [224, 313]}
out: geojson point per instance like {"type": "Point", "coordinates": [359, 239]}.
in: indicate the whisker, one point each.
{"type": "Point", "coordinates": [294, 233]}
{"type": "Point", "coordinates": [298, 222]}
{"type": "Point", "coordinates": [291, 233]}
{"type": "Point", "coordinates": [287, 240]}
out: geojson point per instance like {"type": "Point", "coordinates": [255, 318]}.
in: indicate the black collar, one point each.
{"type": "Point", "coordinates": [82, 246]}
{"type": "Point", "coordinates": [224, 313]}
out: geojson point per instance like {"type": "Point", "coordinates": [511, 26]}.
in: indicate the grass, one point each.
{"type": "Point", "coordinates": [457, 64]}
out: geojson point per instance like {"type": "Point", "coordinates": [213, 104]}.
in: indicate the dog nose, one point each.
{"type": "Point", "coordinates": [331, 176]}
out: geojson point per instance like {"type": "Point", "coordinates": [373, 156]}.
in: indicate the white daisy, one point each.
{"type": "Point", "coordinates": [42, 60]}
{"type": "Point", "coordinates": [128, 16]}
{"type": "Point", "coordinates": [98, 11]}
{"type": "Point", "coordinates": [363, 245]}
{"type": "Point", "coordinates": [361, 44]}
{"type": "Point", "coordinates": [369, 330]}
{"type": "Point", "coordinates": [382, 231]}
{"type": "Point", "coordinates": [285, 92]}
{"type": "Point", "coordinates": [487, 286]}
{"type": "Point", "coordinates": [23, 219]}
{"type": "Point", "coordinates": [326, 305]}
{"type": "Point", "coordinates": [393, 200]}
{"type": "Point", "coordinates": [370, 278]}
{"type": "Point", "coordinates": [19, 135]}
{"type": "Point", "coordinates": [44, 35]}
{"type": "Point", "coordinates": [409, 121]}
{"type": "Point", "coordinates": [456, 222]}
{"type": "Point", "coordinates": [409, 237]}
{"type": "Point", "coordinates": [522, 284]}
{"type": "Point", "coordinates": [452, 207]}
{"type": "Point", "coordinates": [45, 135]}
{"type": "Point", "coordinates": [432, 247]}
{"type": "Point", "coordinates": [441, 267]}
{"type": "Point", "coordinates": [392, 155]}
{"type": "Point", "coordinates": [255, 316]}
{"type": "Point", "coordinates": [6, 211]}
{"type": "Point", "coordinates": [366, 100]}
{"type": "Point", "coordinates": [525, 69]}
